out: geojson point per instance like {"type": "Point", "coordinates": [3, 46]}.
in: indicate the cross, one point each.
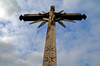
{"type": "Point", "coordinates": [50, 57]}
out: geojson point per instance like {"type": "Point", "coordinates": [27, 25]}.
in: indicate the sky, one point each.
{"type": "Point", "coordinates": [22, 44]}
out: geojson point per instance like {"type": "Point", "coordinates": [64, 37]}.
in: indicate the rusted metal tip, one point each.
{"type": "Point", "coordinates": [21, 17]}
{"type": "Point", "coordinates": [84, 16]}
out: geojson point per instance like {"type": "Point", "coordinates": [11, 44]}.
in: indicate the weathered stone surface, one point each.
{"type": "Point", "coordinates": [50, 47]}
{"type": "Point", "coordinates": [50, 58]}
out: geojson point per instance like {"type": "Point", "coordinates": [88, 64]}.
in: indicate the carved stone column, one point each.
{"type": "Point", "coordinates": [49, 58]}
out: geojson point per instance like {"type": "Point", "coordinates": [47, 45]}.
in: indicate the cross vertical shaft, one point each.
{"type": "Point", "coordinates": [50, 47]}
{"type": "Point", "coordinates": [49, 58]}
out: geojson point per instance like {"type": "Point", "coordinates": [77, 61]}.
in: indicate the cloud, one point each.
{"type": "Point", "coordinates": [33, 6]}
{"type": "Point", "coordinates": [70, 5]}
{"type": "Point", "coordinates": [6, 45]}
{"type": "Point", "coordinates": [8, 7]}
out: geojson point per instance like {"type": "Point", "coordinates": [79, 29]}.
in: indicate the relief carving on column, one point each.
{"type": "Point", "coordinates": [50, 56]}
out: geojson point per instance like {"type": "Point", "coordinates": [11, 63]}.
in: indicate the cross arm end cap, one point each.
{"type": "Point", "coordinates": [84, 16]}
{"type": "Point", "coordinates": [21, 17]}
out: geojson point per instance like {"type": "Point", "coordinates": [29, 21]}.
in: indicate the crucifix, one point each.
{"type": "Point", "coordinates": [50, 57]}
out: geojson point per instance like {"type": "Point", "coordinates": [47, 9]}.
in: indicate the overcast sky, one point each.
{"type": "Point", "coordinates": [22, 44]}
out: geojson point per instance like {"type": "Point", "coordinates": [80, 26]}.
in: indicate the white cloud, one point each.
{"type": "Point", "coordinates": [6, 45]}
{"type": "Point", "coordinates": [4, 31]}
{"type": "Point", "coordinates": [8, 7]}
{"type": "Point", "coordinates": [70, 5]}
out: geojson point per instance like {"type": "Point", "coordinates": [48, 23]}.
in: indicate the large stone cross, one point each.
{"type": "Point", "coordinates": [50, 57]}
